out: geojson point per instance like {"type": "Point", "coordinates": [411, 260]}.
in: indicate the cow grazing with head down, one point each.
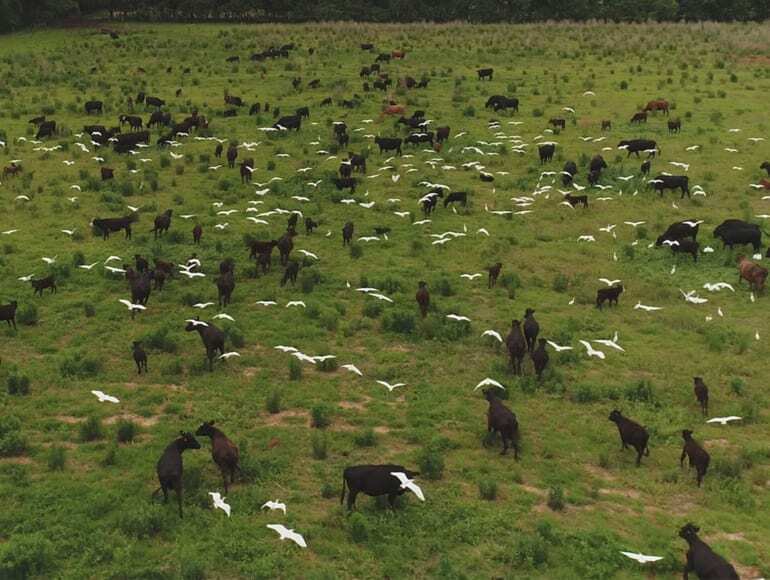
{"type": "Point", "coordinates": [753, 273]}
{"type": "Point", "coordinates": [658, 105]}
{"type": "Point", "coordinates": [457, 196]}
{"type": "Point", "coordinates": [640, 117]}
{"type": "Point", "coordinates": [46, 129]}
{"type": "Point", "coordinates": [568, 172]}
{"type": "Point", "coordinates": [42, 284]}
{"type": "Point", "coordinates": [388, 144]}
{"type": "Point", "coordinates": [701, 559]}
{"type": "Point", "coordinates": [373, 480]}
{"type": "Point", "coordinates": [108, 225]}
{"type": "Point", "coordinates": [546, 152]}
{"type": "Point", "coordinates": [213, 338]}
{"type": "Point", "coordinates": [500, 419]}
{"type": "Point", "coordinates": [678, 231]}
{"type": "Point", "coordinates": [674, 126]}
{"type": "Point", "coordinates": [633, 434]}
{"type": "Point", "coordinates": [661, 182]}
{"type": "Point", "coordinates": [162, 223]}
{"type": "Point", "coordinates": [608, 295]}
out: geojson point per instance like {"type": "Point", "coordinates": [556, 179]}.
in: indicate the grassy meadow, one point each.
{"type": "Point", "coordinates": [76, 475]}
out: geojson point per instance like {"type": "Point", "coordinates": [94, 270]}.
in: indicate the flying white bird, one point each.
{"type": "Point", "coordinates": [641, 558]}
{"type": "Point", "coordinates": [308, 254]}
{"type": "Point", "coordinates": [611, 343]}
{"type": "Point", "coordinates": [724, 420]}
{"type": "Point", "coordinates": [295, 303]}
{"type": "Point", "coordinates": [586, 239]}
{"type": "Point", "coordinates": [284, 348]}
{"type": "Point", "coordinates": [409, 484]}
{"type": "Point", "coordinates": [458, 318]}
{"type": "Point", "coordinates": [115, 270]}
{"type": "Point", "coordinates": [274, 505]}
{"type": "Point", "coordinates": [88, 266]}
{"type": "Point", "coordinates": [471, 276]}
{"type": "Point", "coordinates": [493, 334]}
{"type": "Point", "coordinates": [228, 355]}
{"type": "Point", "coordinates": [716, 287]}
{"type": "Point", "coordinates": [640, 306]}
{"type": "Point", "coordinates": [380, 297]}
{"type": "Point", "coordinates": [105, 397]}
{"type": "Point", "coordinates": [131, 306]}
{"type": "Point", "coordinates": [609, 282]}
{"type": "Point", "coordinates": [390, 387]}
{"type": "Point", "coordinates": [288, 534]}
{"type": "Point", "coordinates": [488, 382]}
{"type": "Point", "coordinates": [265, 302]}
{"type": "Point", "coordinates": [353, 369]}
{"type": "Point", "coordinates": [48, 260]}
{"type": "Point", "coordinates": [692, 297]}
{"type": "Point", "coordinates": [9, 232]}
{"type": "Point", "coordinates": [224, 316]}
{"type": "Point", "coordinates": [634, 224]}
{"type": "Point", "coordinates": [591, 351]}
{"type": "Point", "coordinates": [219, 502]}
{"type": "Point", "coordinates": [196, 322]}
{"type": "Point", "coordinates": [557, 347]}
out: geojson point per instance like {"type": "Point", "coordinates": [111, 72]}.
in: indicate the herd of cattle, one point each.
{"type": "Point", "coordinates": [132, 133]}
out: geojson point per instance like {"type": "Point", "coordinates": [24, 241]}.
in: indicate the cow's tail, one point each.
{"type": "Point", "coordinates": [342, 497]}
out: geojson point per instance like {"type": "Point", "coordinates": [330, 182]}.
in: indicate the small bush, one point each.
{"type": "Point", "coordinates": [57, 457]}
{"type": "Point", "coordinates": [192, 569]}
{"type": "Point", "coordinates": [78, 366]}
{"type": "Point", "coordinates": [160, 339]}
{"type": "Point", "coordinates": [530, 551]}
{"type": "Point", "coordinates": [273, 402]}
{"type": "Point", "coordinates": [329, 491]}
{"type": "Point", "coordinates": [556, 498]}
{"type": "Point", "coordinates": [356, 251]}
{"type": "Point", "coordinates": [640, 391]}
{"type": "Point", "coordinates": [737, 386]}
{"type": "Point", "coordinates": [25, 555]}
{"type": "Point", "coordinates": [89, 310]}
{"type": "Point", "coordinates": [319, 417]}
{"type": "Point", "coordinates": [488, 489]}
{"type": "Point", "coordinates": [319, 445]}
{"type": "Point", "coordinates": [17, 384]}
{"type": "Point", "coordinates": [144, 520]}
{"type": "Point", "coordinates": [27, 314]}
{"type": "Point", "coordinates": [560, 283]}
{"type": "Point", "coordinates": [366, 438]}
{"type": "Point", "coordinates": [359, 531]}
{"type": "Point", "coordinates": [12, 442]}
{"type": "Point", "coordinates": [295, 369]}
{"type": "Point", "coordinates": [91, 429]}
{"type": "Point", "coordinates": [399, 321]}
{"type": "Point", "coordinates": [328, 365]}
{"type": "Point", "coordinates": [431, 462]}
{"type": "Point", "coordinates": [373, 308]}
{"type": "Point", "coordinates": [110, 457]}
{"type": "Point", "coordinates": [126, 431]}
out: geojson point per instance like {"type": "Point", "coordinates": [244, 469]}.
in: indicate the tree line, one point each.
{"type": "Point", "coordinates": [16, 14]}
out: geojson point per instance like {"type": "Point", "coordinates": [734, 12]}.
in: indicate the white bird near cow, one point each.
{"type": "Point", "coordinates": [724, 420]}
{"type": "Point", "coordinates": [591, 351]}
{"type": "Point", "coordinates": [458, 318]}
{"type": "Point", "coordinates": [494, 334]}
{"type": "Point", "coordinates": [610, 282]}
{"type": "Point", "coordinates": [131, 307]}
{"type": "Point", "coordinates": [640, 306]}
{"type": "Point", "coordinates": [353, 369]}
{"type": "Point", "coordinates": [228, 355]}
{"type": "Point", "coordinates": [223, 316]}
{"type": "Point", "coordinates": [295, 303]}
{"type": "Point", "coordinates": [487, 382]}
{"type": "Point", "coordinates": [641, 558]}
{"type": "Point", "coordinates": [558, 347]}
{"type": "Point", "coordinates": [471, 276]}
{"type": "Point", "coordinates": [409, 484]}
{"type": "Point", "coordinates": [288, 534]}
{"type": "Point", "coordinates": [274, 505]}
{"type": "Point", "coordinates": [390, 387]}
{"type": "Point", "coordinates": [219, 502]}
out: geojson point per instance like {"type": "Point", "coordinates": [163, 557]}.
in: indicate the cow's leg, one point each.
{"type": "Point", "coordinates": [392, 500]}
{"type": "Point", "coordinates": [178, 488]}
{"type": "Point", "coordinates": [352, 493]}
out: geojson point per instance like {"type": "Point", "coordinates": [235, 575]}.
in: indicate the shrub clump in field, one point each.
{"type": "Point", "coordinates": [319, 446]}
{"type": "Point", "coordinates": [126, 431]}
{"type": "Point", "coordinates": [17, 384]}
{"type": "Point", "coordinates": [91, 429]}
{"type": "Point", "coordinates": [295, 369]}
{"type": "Point", "coordinates": [488, 489]}
{"type": "Point", "coordinates": [57, 458]}
{"type": "Point", "coordinates": [12, 442]}
{"type": "Point", "coordinates": [556, 498]}
{"type": "Point", "coordinates": [319, 417]}
{"type": "Point", "coordinates": [273, 402]}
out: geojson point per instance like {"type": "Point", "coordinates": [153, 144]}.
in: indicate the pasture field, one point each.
{"type": "Point", "coordinates": [76, 501]}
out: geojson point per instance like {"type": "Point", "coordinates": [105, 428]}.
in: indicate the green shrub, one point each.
{"type": "Point", "coordinates": [273, 402]}
{"type": "Point", "coordinates": [27, 314]}
{"type": "Point", "coordinates": [399, 321]}
{"type": "Point", "coordinates": [25, 555]}
{"type": "Point", "coordinates": [110, 457]}
{"type": "Point", "coordinates": [556, 498]}
{"type": "Point", "coordinates": [329, 491]}
{"type": "Point", "coordinates": [431, 462]}
{"type": "Point", "coordinates": [126, 431]}
{"type": "Point", "coordinates": [17, 384]}
{"type": "Point", "coordinates": [327, 365]}
{"type": "Point", "coordinates": [640, 391]}
{"type": "Point", "coordinates": [359, 530]}
{"type": "Point", "coordinates": [12, 442]}
{"type": "Point", "coordinates": [319, 445]}
{"type": "Point", "coordinates": [560, 283]}
{"type": "Point", "coordinates": [234, 336]}
{"type": "Point", "coordinates": [530, 551]}
{"type": "Point", "coordinates": [488, 489]}
{"type": "Point", "coordinates": [367, 438]}
{"type": "Point", "coordinates": [144, 520]}
{"type": "Point", "coordinates": [192, 569]}
{"type": "Point", "coordinates": [57, 457]}
{"type": "Point", "coordinates": [89, 310]}
{"type": "Point", "coordinates": [319, 417]}
{"type": "Point", "coordinates": [91, 429]}
{"type": "Point", "coordinates": [373, 308]}
{"type": "Point", "coordinates": [737, 386]}
{"type": "Point", "coordinates": [76, 365]}
{"type": "Point", "coordinates": [356, 251]}
{"type": "Point", "coordinates": [160, 339]}
{"type": "Point", "coordinates": [295, 369]}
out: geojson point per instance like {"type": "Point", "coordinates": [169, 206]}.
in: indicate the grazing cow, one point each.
{"type": "Point", "coordinates": [345, 183]}
{"type": "Point", "coordinates": [345, 169]}
{"type": "Point", "coordinates": [531, 329]}
{"type": "Point", "coordinates": [606, 125]}
{"type": "Point", "coordinates": [678, 231]}
{"type": "Point", "coordinates": [645, 168]}
{"type": "Point", "coordinates": [140, 357]}
{"type": "Point", "coordinates": [575, 200]}
{"type": "Point", "coordinates": [107, 173]}
{"type": "Point", "coordinates": [388, 144]}
{"type": "Point", "coordinates": [423, 298]}
{"type": "Point", "coordinates": [382, 57]}
{"type": "Point", "coordinates": [94, 107]}
{"type": "Point", "coordinates": [411, 122]}
{"type": "Point", "coordinates": [698, 457]}
{"type": "Point", "coordinates": [347, 233]}
{"type": "Point", "coordinates": [494, 272]}
{"type": "Point", "coordinates": [314, 84]}
{"type": "Point", "coordinates": [246, 168]}
{"type": "Point", "coordinates": [701, 559]}
{"type": "Point", "coordinates": [37, 120]}
{"type": "Point", "coordinates": [230, 113]}
{"type": "Point", "coordinates": [485, 73]}
{"type": "Point", "coordinates": [740, 235]}
{"type": "Point", "coordinates": [637, 145]}
{"type": "Point", "coordinates": [213, 339]}
{"type": "Point", "coordinates": [134, 122]}
{"type": "Point", "coordinates": [12, 170]}
{"type": "Point", "coordinates": [500, 103]}
{"type": "Point", "coordinates": [373, 480]}
{"type": "Point", "coordinates": [46, 129]}
{"type": "Point", "coordinates": [225, 283]}
{"type": "Point", "coordinates": [417, 138]}
{"type": "Point", "coordinates": [357, 162]}
{"type": "Point", "coordinates": [142, 265]}
{"type": "Point", "coordinates": [639, 118]}
{"type": "Point", "coordinates": [159, 277]}
{"type": "Point", "coordinates": [560, 123]}
{"type": "Point", "coordinates": [500, 419]}
{"type": "Point", "coordinates": [702, 394]}
{"type": "Point", "coordinates": [658, 105]}
{"type": "Point", "coordinates": [95, 130]}
{"type": "Point", "coordinates": [232, 155]}
{"type": "Point", "coordinates": [162, 223]}
{"type": "Point", "coordinates": [457, 196]}
{"type": "Point", "coordinates": [233, 58]}
{"type": "Point", "coordinates": [662, 182]}
{"type": "Point", "coordinates": [289, 122]}
{"type": "Point", "coordinates": [42, 284]}
{"type": "Point", "coordinates": [159, 118]}
{"type": "Point", "coordinates": [223, 451]}
{"type": "Point", "coordinates": [8, 313]}
{"type": "Point", "coordinates": [540, 358]}
{"type": "Point", "coordinates": [430, 201]}
{"type": "Point", "coordinates": [766, 166]}
{"type": "Point", "coordinates": [674, 126]}
{"type": "Point", "coordinates": [365, 72]}
{"type": "Point", "coordinates": [517, 346]}
{"type": "Point", "coordinates": [290, 274]}
{"type": "Point", "coordinates": [597, 163]}
{"type": "Point", "coordinates": [753, 273]}
{"type": "Point", "coordinates": [686, 247]}
{"type": "Point", "coordinates": [568, 173]}
{"type": "Point", "coordinates": [154, 102]}
{"type": "Point", "coordinates": [258, 248]}
{"type": "Point", "coordinates": [139, 284]}
{"type": "Point", "coordinates": [126, 142]}
{"type": "Point", "coordinates": [593, 177]}
{"type": "Point", "coordinates": [633, 434]}
{"type": "Point", "coordinates": [169, 466]}
{"type": "Point", "coordinates": [197, 233]}
{"type": "Point", "coordinates": [608, 295]}
{"type": "Point", "coordinates": [442, 134]}
{"type": "Point", "coordinates": [546, 152]}
{"type": "Point", "coordinates": [285, 246]}
{"type": "Point", "coordinates": [310, 225]}
{"type": "Point", "coordinates": [328, 100]}
{"type": "Point", "coordinates": [367, 46]}
{"type": "Point", "coordinates": [303, 112]}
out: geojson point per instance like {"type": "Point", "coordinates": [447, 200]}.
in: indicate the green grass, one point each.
{"type": "Point", "coordinates": [77, 504]}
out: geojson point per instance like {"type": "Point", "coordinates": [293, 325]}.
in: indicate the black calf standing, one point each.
{"type": "Point", "coordinates": [170, 468]}
{"type": "Point", "coordinates": [347, 233]}
{"type": "Point", "coordinates": [8, 313]}
{"type": "Point", "coordinates": [494, 272]}
{"type": "Point", "coordinates": [631, 433]}
{"type": "Point", "coordinates": [140, 357]}
{"type": "Point", "coordinates": [212, 337]}
{"type": "Point", "coordinates": [608, 294]}
{"type": "Point", "coordinates": [225, 282]}
{"type": "Point", "coordinates": [702, 394]}
{"type": "Point", "coordinates": [517, 346]}
{"type": "Point", "coordinates": [531, 329]}
{"type": "Point", "coordinates": [42, 284]}
{"type": "Point", "coordinates": [423, 298]}
{"type": "Point", "coordinates": [500, 419]}
{"type": "Point", "coordinates": [699, 458]}
{"type": "Point", "coordinates": [540, 358]}
{"type": "Point", "coordinates": [701, 559]}
{"type": "Point", "coordinates": [290, 275]}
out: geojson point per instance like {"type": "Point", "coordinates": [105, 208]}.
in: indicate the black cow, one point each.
{"type": "Point", "coordinates": [597, 163]}
{"type": "Point", "coordinates": [140, 357]}
{"type": "Point", "coordinates": [154, 102]}
{"type": "Point", "coordinates": [357, 162]}
{"type": "Point", "coordinates": [457, 196]}
{"type": "Point", "coordinates": [608, 294]}
{"type": "Point", "coordinates": [303, 112]}
{"type": "Point", "coordinates": [169, 467]}
{"type": "Point", "coordinates": [500, 102]}
{"type": "Point", "coordinates": [345, 183]}
{"type": "Point", "coordinates": [500, 419]}
{"type": "Point", "coordinates": [289, 122]}
{"type": "Point", "coordinates": [43, 283]}
{"type": "Point", "coordinates": [485, 73]}
{"type": "Point", "coordinates": [637, 145]}
{"type": "Point", "coordinates": [94, 107]}
{"type": "Point", "coordinates": [701, 394]}
{"type": "Point", "coordinates": [347, 233]}
{"type": "Point", "coordinates": [701, 559]}
{"type": "Point", "coordinates": [631, 433]}
{"type": "Point", "coordinates": [290, 274]}
{"type": "Point", "coordinates": [442, 134]}
{"type": "Point", "coordinates": [531, 329]}
{"type": "Point", "coordinates": [674, 126]}
{"type": "Point", "coordinates": [678, 231]}
{"type": "Point", "coordinates": [95, 130]}
{"type": "Point", "coordinates": [568, 173]}
{"type": "Point", "coordinates": [388, 144]}
{"type": "Point", "coordinates": [662, 182]}
{"type": "Point", "coordinates": [698, 457]}
{"type": "Point", "coordinates": [373, 480]}
{"type": "Point", "coordinates": [686, 247]}
{"type": "Point", "coordinates": [417, 138]}
{"type": "Point", "coordinates": [213, 339]}
{"type": "Point", "coordinates": [540, 358]}
{"type": "Point", "coordinates": [558, 123]}
{"type": "Point", "coordinates": [645, 168]}
{"type": "Point", "coordinates": [46, 129]}
{"type": "Point", "coordinates": [8, 313]}
{"type": "Point", "coordinates": [159, 118]}
{"type": "Point", "coordinates": [546, 152]}
{"type": "Point", "coordinates": [108, 225]}
{"type": "Point", "coordinates": [736, 232]}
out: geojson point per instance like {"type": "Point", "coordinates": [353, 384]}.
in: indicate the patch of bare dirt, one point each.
{"type": "Point", "coordinates": [381, 429]}
{"type": "Point", "coordinates": [250, 372]}
{"type": "Point", "coordinates": [352, 405]}
{"type": "Point", "coordinates": [599, 472]}
{"type": "Point", "coordinates": [69, 419]}
{"type": "Point", "coordinates": [624, 492]}
{"type": "Point", "coordinates": [139, 420]}
{"type": "Point", "coordinates": [22, 460]}
{"type": "Point", "coordinates": [279, 418]}
{"type": "Point", "coordinates": [533, 489]}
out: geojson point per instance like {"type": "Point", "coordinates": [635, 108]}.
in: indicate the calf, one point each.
{"type": "Point", "coordinates": [633, 434]}
{"type": "Point", "coordinates": [674, 126]}
{"type": "Point", "coordinates": [162, 223]}
{"type": "Point", "coordinates": [43, 283]}
{"type": "Point", "coordinates": [568, 173]}
{"type": "Point", "coordinates": [531, 329]}
{"type": "Point", "coordinates": [347, 233]}
{"type": "Point", "coordinates": [645, 168]}
{"type": "Point", "coordinates": [702, 394]}
{"type": "Point", "coordinates": [286, 245]}
{"type": "Point", "coordinates": [686, 247]}
{"type": "Point", "coordinates": [290, 275]}
{"type": "Point", "coordinates": [423, 298]}
{"type": "Point", "coordinates": [500, 419]}
{"type": "Point", "coordinates": [442, 134]}
{"type": "Point", "coordinates": [8, 313]}
{"type": "Point", "coordinates": [546, 152]}
{"type": "Point", "coordinates": [212, 337]}
{"type": "Point", "coordinates": [225, 283]}
{"type": "Point", "coordinates": [640, 117]}
{"type": "Point", "coordinates": [606, 125]}
{"type": "Point", "coordinates": [388, 144]}
{"type": "Point", "coordinates": [107, 173]}
{"type": "Point", "coordinates": [540, 358]}
{"type": "Point", "coordinates": [457, 196]}
{"type": "Point", "coordinates": [678, 231]}
{"type": "Point", "coordinates": [258, 248]}
{"type": "Point", "coordinates": [169, 466]}
{"type": "Point", "coordinates": [698, 457]}
{"type": "Point", "coordinates": [485, 73]}
{"type": "Point", "coordinates": [197, 233]}
{"type": "Point", "coordinates": [575, 200]}
{"type": "Point", "coordinates": [310, 225]}
{"type": "Point", "coordinates": [517, 346]}
{"type": "Point", "coordinates": [608, 294]}
{"type": "Point", "coordinates": [223, 451]}
{"type": "Point", "coordinates": [753, 273]}
{"type": "Point", "coordinates": [373, 480]}
{"type": "Point", "coordinates": [494, 272]}
{"type": "Point", "coordinates": [232, 155]}
{"type": "Point", "coordinates": [345, 183]}
{"type": "Point", "coordinates": [140, 357]}
{"type": "Point", "coordinates": [558, 123]}
{"type": "Point", "coordinates": [701, 559]}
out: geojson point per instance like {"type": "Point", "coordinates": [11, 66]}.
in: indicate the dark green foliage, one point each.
{"type": "Point", "coordinates": [320, 416]}
{"type": "Point", "coordinates": [27, 314]}
{"type": "Point", "coordinates": [488, 489]}
{"type": "Point", "coordinates": [319, 445]}
{"type": "Point", "coordinates": [367, 438]}
{"type": "Point", "coordinates": [399, 321]}
{"type": "Point", "coordinates": [17, 384]}
{"type": "Point", "coordinates": [91, 429]}
{"type": "Point", "coordinates": [273, 402]}
{"type": "Point", "coordinates": [431, 462]}
{"type": "Point", "coordinates": [77, 365]}
{"type": "Point", "coordinates": [359, 528]}
{"type": "Point", "coordinates": [160, 339]}
{"type": "Point", "coordinates": [295, 369]}
{"type": "Point", "coordinates": [126, 431]}
{"type": "Point", "coordinates": [57, 458]}
{"type": "Point", "coordinates": [25, 555]}
{"type": "Point", "coordinates": [12, 442]}
{"type": "Point", "coordinates": [556, 498]}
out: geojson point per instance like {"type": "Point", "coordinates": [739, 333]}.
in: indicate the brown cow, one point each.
{"type": "Point", "coordinates": [394, 110]}
{"type": "Point", "coordinates": [753, 273]}
{"type": "Point", "coordinates": [658, 105]}
{"type": "Point", "coordinates": [398, 54]}
{"type": "Point", "coordinates": [107, 173]}
{"type": "Point", "coordinates": [11, 170]}
{"type": "Point", "coordinates": [765, 183]}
